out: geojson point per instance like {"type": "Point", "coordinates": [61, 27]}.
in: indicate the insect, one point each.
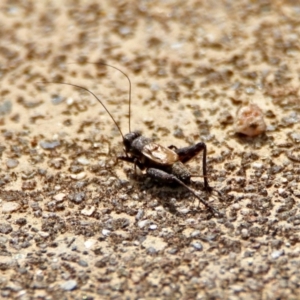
{"type": "Point", "coordinates": [164, 164]}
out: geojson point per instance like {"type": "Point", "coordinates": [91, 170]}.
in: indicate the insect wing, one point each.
{"type": "Point", "coordinates": [160, 154]}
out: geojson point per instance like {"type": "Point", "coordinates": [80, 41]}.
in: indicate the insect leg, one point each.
{"type": "Point", "coordinates": [133, 160]}
{"type": "Point", "coordinates": [160, 175]}
{"type": "Point", "coordinates": [187, 153]}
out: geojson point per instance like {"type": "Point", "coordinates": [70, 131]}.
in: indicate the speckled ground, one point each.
{"type": "Point", "coordinates": [76, 223]}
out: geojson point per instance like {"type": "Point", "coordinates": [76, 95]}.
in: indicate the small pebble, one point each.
{"type": "Point", "coordinates": [88, 211]}
{"type": "Point", "coordinates": [21, 221]}
{"type": "Point", "coordinates": [237, 288]}
{"type": "Point", "coordinates": [173, 251]}
{"type": "Point", "coordinates": [83, 161]}
{"type": "Point", "coordinates": [125, 30]}
{"type": "Point", "coordinates": [9, 207]}
{"type": "Point", "coordinates": [5, 107]}
{"type": "Point", "coordinates": [43, 234]}
{"type": "Point", "coordinates": [90, 243]}
{"type": "Point", "coordinates": [184, 210]}
{"type": "Point", "coordinates": [245, 233]}
{"type": "Point", "coordinates": [190, 221]}
{"type": "Point", "coordinates": [257, 165]}
{"type": "Point", "coordinates": [197, 246]}
{"type": "Point", "coordinates": [78, 197]}
{"type": "Point", "coordinates": [297, 193]}
{"type": "Point", "coordinates": [82, 263]}
{"type": "Point", "coordinates": [143, 223]}
{"type": "Point", "coordinates": [57, 99]}
{"type": "Point", "coordinates": [11, 163]}
{"type": "Point", "coordinates": [151, 250]}
{"type": "Point", "coordinates": [195, 233]}
{"type": "Point", "coordinates": [5, 228]}
{"type": "Point", "coordinates": [293, 118]}
{"type": "Point", "coordinates": [49, 145]}
{"type": "Point", "coordinates": [236, 206]}
{"type": "Point", "coordinates": [139, 214]}
{"type": "Point", "coordinates": [245, 212]}
{"type": "Point", "coordinates": [78, 176]}
{"type": "Point", "coordinates": [105, 232]}
{"type": "Point", "coordinates": [250, 90]}
{"type": "Point", "coordinates": [70, 101]}
{"type": "Point", "coordinates": [295, 136]}
{"type": "Point", "coordinates": [153, 226]}
{"type": "Point", "coordinates": [59, 197]}
{"type": "Point", "coordinates": [276, 254]}
{"type": "Point", "coordinates": [69, 285]}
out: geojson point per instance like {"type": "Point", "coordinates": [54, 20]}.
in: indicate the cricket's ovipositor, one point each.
{"type": "Point", "coordinates": [160, 163]}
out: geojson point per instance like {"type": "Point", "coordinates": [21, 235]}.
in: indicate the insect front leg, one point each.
{"type": "Point", "coordinates": [187, 153]}
{"type": "Point", "coordinates": [160, 175]}
{"type": "Point", "coordinates": [134, 161]}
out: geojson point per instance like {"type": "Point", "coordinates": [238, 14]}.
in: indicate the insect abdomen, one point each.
{"type": "Point", "coordinates": [181, 172]}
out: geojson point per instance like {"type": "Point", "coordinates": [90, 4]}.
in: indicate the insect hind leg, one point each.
{"type": "Point", "coordinates": [160, 175]}
{"type": "Point", "coordinates": [187, 153]}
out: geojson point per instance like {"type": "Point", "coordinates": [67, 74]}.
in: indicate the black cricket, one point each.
{"type": "Point", "coordinates": [160, 163]}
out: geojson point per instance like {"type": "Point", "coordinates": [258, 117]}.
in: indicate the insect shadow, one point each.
{"type": "Point", "coordinates": [167, 195]}
{"type": "Point", "coordinates": [163, 164]}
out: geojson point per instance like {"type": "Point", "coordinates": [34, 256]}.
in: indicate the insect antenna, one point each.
{"type": "Point", "coordinates": [87, 90]}
{"type": "Point", "coordinates": [129, 90]}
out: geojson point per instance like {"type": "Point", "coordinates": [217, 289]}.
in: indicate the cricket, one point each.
{"type": "Point", "coordinates": [162, 164]}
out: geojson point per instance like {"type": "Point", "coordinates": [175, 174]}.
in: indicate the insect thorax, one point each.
{"type": "Point", "coordinates": [139, 143]}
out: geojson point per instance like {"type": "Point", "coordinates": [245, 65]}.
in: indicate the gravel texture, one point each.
{"type": "Point", "coordinates": [78, 224]}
